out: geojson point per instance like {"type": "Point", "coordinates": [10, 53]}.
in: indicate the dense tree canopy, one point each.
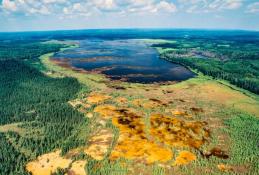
{"type": "Point", "coordinates": [234, 61]}
{"type": "Point", "coordinates": [38, 103]}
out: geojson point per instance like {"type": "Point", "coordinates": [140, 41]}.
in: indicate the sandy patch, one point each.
{"type": "Point", "coordinates": [75, 103]}
{"type": "Point", "coordinates": [99, 144]}
{"type": "Point", "coordinates": [48, 163]}
{"type": "Point", "coordinates": [77, 168]}
{"type": "Point", "coordinates": [95, 98]}
{"type": "Point", "coordinates": [14, 127]}
{"type": "Point", "coordinates": [89, 115]}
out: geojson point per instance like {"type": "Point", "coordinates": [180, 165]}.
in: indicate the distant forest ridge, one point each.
{"type": "Point", "coordinates": [133, 34]}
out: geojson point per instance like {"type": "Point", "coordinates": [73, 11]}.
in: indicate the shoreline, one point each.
{"type": "Point", "coordinates": [106, 79]}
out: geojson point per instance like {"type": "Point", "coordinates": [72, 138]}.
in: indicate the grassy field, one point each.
{"type": "Point", "coordinates": [228, 113]}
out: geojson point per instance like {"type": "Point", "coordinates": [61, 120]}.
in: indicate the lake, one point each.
{"type": "Point", "coordinates": [128, 60]}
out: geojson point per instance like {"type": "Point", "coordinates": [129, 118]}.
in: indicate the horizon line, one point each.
{"type": "Point", "coordinates": [133, 28]}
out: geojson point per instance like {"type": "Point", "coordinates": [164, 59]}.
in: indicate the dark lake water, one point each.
{"type": "Point", "coordinates": [127, 60]}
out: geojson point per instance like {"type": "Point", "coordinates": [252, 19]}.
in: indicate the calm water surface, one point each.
{"type": "Point", "coordinates": [126, 60]}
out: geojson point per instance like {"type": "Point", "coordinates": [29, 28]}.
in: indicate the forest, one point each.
{"type": "Point", "coordinates": [25, 49]}
{"type": "Point", "coordinates": [228, 59]}
{"type": "Point", "coordinates": [27, 95]}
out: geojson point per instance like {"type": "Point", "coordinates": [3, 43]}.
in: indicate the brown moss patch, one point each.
{"type": "Point", "coordinates": [176, 132]}
{"type": "Point", "coordinates": [137, 102]}
{"type": "Point", "coordinates": [148, 104]}
{"type": "Point", "coordinates": [106, 111]}
{"type": "Point", "coordinates": [237, 169]}
{"type": "Point", "coordinates": [196, 110]}
{"type": "Point", "coordinates": [116, 87]}
{"type": "Point", "coordinates": [95, 97]}
{"type": "Point", "coordinates": [217, 152]}
{"type": "Point", "coordinates": [224, 168]}
{"type": "Point", "coordinates": [133, 142]}
{"type": "Point", "coordinates": [167, 91]}
{"type": "Point", "coordinates": [141, 150]}
{"type": "Point", "coordinates": [121, 100]}
{"type": "Point", "coordinates": [179, 113]}
{"type": "Point", "coordinates": [99, 144]}
{"type": "Point", "coordinates": [47, 164]}
{"type": "Point", "coordinates": [184, 158]}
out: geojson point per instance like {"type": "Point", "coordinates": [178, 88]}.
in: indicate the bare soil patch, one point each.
{"type": "Point", "coordinates": [99, 144]}
{"type": "Point", "coordinates": [48, 163]}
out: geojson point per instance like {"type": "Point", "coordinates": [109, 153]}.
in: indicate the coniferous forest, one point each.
{"type": "Point", "coordinates": [235, 59]}
{"type": "Point", "coordinates": [27, 95]}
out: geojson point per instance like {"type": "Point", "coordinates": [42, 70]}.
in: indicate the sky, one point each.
{"type": "Point", "coordinates": [34, 15]}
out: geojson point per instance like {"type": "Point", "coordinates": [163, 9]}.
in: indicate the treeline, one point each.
{"type": "Point", "coordinates": [24, 50]}
{"type": "Point", "coordinates": [229, 49]}
{"type": "Point", "coordinates": [25, 92]}
{"type": "Point", "coordinates": [40, 103]}
{"type": "Point", "coordinates": [243, 74]}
